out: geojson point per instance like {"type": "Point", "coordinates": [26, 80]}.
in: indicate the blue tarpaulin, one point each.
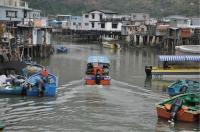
{"type": "Point", "coordinates": [179, 58]}
{"type": "Point", "coordinates": [98, 59]}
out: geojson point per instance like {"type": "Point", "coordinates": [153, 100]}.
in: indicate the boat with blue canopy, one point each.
{"type": "Point", "coordinates": [175, 65]}
{"type": "Point", "coordinates": [98, 70]}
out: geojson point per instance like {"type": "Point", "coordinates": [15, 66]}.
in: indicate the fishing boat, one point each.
{"type": "Point", "coordinates": [97, 71]}
{"type": "Point", "coordinates": [183, 107]}
{"type": "Point", "coordinates": [35, 85]}
{"type": "Point", "coordinates": [110, 43]}
{"type": "Point", "coordinates": [11, 85]}
{"type": "Point", "coordinates": [62, 49]}
{"type": "Point", "coordinates": [175, 65]}
{"type": "Point", "coordinates": [1, 125]}
{"type": "Point", "coordinates": [39, 85]}
{"type": "Point", "coordinates": [183, 86]}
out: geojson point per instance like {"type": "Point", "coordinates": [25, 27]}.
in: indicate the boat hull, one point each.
{"type": "Point", "coordinates": [50, 86]}
{"type": "Point", "coordinates": [185, 116]}
{"type": "Point", "coordinates": [183, 107]}
{"type": "Point", "coordinates": [8, 90]}
{"type": "Point", "coordinates": [90, 80]}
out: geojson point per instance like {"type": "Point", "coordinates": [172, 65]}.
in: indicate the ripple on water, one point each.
{"type": "Point", "coordinates": [118, 107]}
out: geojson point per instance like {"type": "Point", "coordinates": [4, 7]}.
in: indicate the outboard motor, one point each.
{"type": "Point", "coordinates": [176, 106]}
{"type": "Point", "coordinates": [98, 79]}
{"type": "Point", "coordinates": [148, 70]}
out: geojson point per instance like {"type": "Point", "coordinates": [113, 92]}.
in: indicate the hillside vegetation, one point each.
{"type": "Point", "coordinates": [154, 7]}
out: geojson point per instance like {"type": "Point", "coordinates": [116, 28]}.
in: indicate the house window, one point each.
{"type": "Point", "coordinates": [93, 25]}
{"type": "Point", "coordinates": [86, 24]}
{"type": "Point", "coordinates": [100, 16]}
{"type": "Point", "coordinates": [86, 16]}
{"type": "Point", "coordinates": [93, 16]}
{"type": "Point", "coordinates": [74, 23]}
{"type": "Point", "coordinates": [11, 14]}
{"type": "Point", "coordinates": [114, 25]}
{"type": "Point", "coordinates": [79, 24]}
{"type": "Point", "coordinates": [102, 25]}
{"type": "Point", "coordinates": [25, 13]}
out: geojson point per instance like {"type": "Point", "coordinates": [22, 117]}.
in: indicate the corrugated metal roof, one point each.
{"type": "Point", "coordinates": [179, 58]}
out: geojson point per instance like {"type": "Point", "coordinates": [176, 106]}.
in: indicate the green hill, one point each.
{"type": "Point", "coordinates": [154, 7]}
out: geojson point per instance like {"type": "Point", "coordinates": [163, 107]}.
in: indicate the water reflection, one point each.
{"type": "Point", "coordinates": [164, 126]}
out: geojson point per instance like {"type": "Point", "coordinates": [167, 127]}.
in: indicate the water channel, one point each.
{"type": "Point", "coordinates": [127, 105]}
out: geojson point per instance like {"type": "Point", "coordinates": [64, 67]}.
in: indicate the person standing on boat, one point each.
{"type": "Point", "coordinates": [165, 65]}
{"type": "Point", "coordinates": [98, 77]}
{"type": "Point", "coordinates": [41, 88]}
{"type": "Point", "coordinates": [176, 106]}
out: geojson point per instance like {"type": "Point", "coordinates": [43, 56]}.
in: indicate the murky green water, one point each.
{"type": "Point", "coordinates": [127, 105]}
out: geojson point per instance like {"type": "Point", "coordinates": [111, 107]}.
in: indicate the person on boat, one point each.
{"type": "Point", "coordinates": [176, 106]}
{"type": "Point", "coordinates": [183, 89]}
{"type": "Point", "coordinates": [89, 68]}
{"type": "Point", "coordinates": [44, 74]}
{"type": "Point", "coordinates": [41, 87]}
{"type": "Point", "coordinates": [105, 70]}
{"type": "Point", "coordinates": [98, 77]}
{"type": "Point", "coordinates": [24, 89]}
{"type": "Point", "coordinates": [165, 65]}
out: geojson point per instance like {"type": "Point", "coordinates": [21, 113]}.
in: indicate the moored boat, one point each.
{"type": "Point", "coordinates": [97, 72]}
{"type": "Point", "coordinates": [173, 65]}
{"type": "Point", "coordinates": [41, 86]}
{"type": "Point", "coordinates": [183, 107]}
{"type": "Point", "coordinates": [110, 43]}
{"type": "Point", "coordinates": [183, 86]}
{"type": "Point", "coordinates": [62, 49]}
{"type": "Point", "coordinates": [11, 85]}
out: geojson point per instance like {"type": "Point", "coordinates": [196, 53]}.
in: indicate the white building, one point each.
{"type": "Point", "coordinates": [179, 21]}
{"type": "Point", "coordinates": [102, 20]}
{"type": "Point", "coordinates": [17, 11]}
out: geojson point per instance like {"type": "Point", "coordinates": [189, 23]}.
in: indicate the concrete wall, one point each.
{"type": "Point", "coordinates": [108, 26]}
{"type": "Point", "coordinates": [86, 23]}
